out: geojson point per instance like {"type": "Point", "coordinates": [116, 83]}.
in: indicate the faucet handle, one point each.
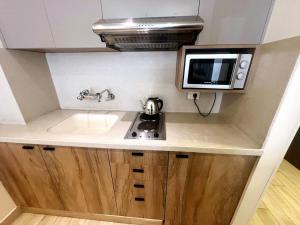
{"type": "Point", "coordinates": [85, 92]}
{"type": "Point", "coordinates": [110, 96]}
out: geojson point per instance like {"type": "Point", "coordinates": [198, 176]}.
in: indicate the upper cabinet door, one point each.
{"type": "Point", "coordinates": [146, 8]}
{"type": "Point", "coordinates": [71, 22]}
{"type": "Point", "coordinates": [233, 21]}
{"type": "Point", "coordinates": [24, 24]}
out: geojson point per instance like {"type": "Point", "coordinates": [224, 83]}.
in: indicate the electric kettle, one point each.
{"type": "Point", "coordinates": [153, 106]}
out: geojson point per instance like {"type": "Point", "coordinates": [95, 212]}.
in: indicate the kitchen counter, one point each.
{"type": "Point", "coordinates": [187, 132]}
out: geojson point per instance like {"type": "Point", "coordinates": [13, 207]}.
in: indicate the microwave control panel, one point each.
{"type": "Point", "coordinates": [242, 71]}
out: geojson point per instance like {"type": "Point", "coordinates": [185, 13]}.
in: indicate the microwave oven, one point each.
{"type": "Point", "coordinates": [215, 70]}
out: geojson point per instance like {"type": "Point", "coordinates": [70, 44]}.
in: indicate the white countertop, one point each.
{"type": "Point", "coordinates": [187, 132]}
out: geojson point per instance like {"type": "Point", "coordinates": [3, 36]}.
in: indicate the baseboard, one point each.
{"type": "Point", "coordinates": [91, 216]}
{"type": "Point", "coordinates": [12, 216]}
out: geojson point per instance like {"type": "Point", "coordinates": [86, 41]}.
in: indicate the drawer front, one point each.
{"type": "Point", "coordinates": [139, 198]}
{"type": "Point", "coordinates": [139, 172]}
{"type": "Point", "coordinates": [138, 157]}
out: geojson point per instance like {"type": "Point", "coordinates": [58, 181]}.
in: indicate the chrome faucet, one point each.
{"type": "Point", "coordinates": [85, 94]}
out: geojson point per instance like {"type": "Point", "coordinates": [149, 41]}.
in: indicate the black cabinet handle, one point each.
{"type": "Point", "coordinates": [138, 170]}
{"type": "Point", "coordinates": [28, 147]}
{"type": "Point", "coordinates": [138, 185]}
{"type": "Point", "coordinates": [182, 156]}
{"type": "Point", "coordinates": [138, 199]}
{"type": "Point", "coordinates": [137, 153]}
{"type": "Point", "coordinates": [48, 148]}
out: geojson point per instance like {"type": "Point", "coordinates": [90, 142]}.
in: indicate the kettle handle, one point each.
{"type": "Point", "coordinates": [161, 103]}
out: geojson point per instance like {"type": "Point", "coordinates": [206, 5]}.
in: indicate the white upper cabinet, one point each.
{"type": "Point", "coordinates": [148, 8]}
{"type": "Point", "coordinates": [68, 23]}
{"type": "Point", "coordinates": [71, 22]}
{"type": "Point", "coordinates": [233, 21]}
{"type": "Point", "coordinates": [24, 24]}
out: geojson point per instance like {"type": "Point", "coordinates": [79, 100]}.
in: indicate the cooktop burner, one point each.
{"type": "Point", "coordinates": [146, 117]}
{"type": "Point", "coordinates": [148, 126]}
{"type": "Point", "coordinates": [145, 126]}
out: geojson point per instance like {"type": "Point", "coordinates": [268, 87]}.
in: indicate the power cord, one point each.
{"type": "Point", "coordinates": [201, 113]}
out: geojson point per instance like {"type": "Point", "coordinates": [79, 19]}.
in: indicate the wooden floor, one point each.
{"type": "Point", "coordinates": [281, 203]}
{"type": "Point", "coordinates": [38, 219]}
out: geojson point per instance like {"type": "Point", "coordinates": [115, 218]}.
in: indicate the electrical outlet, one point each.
{"type": "Point", "coordinates": [190, 95]}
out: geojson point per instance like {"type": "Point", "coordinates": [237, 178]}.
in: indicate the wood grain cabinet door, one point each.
{"type": "Point", "coordinates": [140, 182]}
{"type": "Point", "coordinates": [141, 198]}
{"type": "Point", "coordinates": [25, 176]}
{"type": "Point", "coordinates": [83, 178]}
{"type": "Point", "coordinates": [205, 189]}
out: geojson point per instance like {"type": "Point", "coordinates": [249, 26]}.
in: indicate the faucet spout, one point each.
{"type": "Point", "coordinates": [85, 94]}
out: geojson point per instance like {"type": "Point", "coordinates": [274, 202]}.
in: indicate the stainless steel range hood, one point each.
{"type": "Point", "coordinates": [148, 34]}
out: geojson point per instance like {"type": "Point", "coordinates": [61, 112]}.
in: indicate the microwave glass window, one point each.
{"type": "Point", "coordinates": [211, 71]}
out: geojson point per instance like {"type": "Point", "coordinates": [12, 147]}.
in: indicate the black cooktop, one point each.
{"type": "Point", "coordinates": [148, 127]}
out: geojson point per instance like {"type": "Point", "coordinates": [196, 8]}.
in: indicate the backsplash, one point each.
{"type": "Point", "coordinates": [131, 76]}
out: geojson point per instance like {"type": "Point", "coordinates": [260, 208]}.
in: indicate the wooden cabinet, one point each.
{"type": "Point", "coordinates": [25, 176]}
{"type": "Point", "coordinates": [83, 178]}
{"type": "Point", "coordinates": [180, 188]}
{"type": "Point", "coordinates": [24, 24]}
{"type": "Point", "coordinates": [205, 189]}
{"type": "Point", "coordinates": [71, 23]}
{"type": "Point", "coordinates": [139, 182]}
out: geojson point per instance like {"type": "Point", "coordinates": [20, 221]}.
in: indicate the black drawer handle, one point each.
{"type": "Point", "coordinates": [137, 153]}
{"type": "Point", "coordinates": [28, 147]}
{"type": "Point", "coordinates": [48, 148]}
{"type": "Point", "coordinates": [138, 185]}
{"type": "Point", "coordinates": [138, 199]}
{"type": "Point", "coordinates": [138, 170]}
{"type": "Point", "coordinates": [180, 156]}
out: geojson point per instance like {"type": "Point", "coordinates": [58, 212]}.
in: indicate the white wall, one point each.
{"type": "Point", "coordinates": [7, 204]}
{"type": "Point", "coordinates": [284, 21]}
{"type": "Point", "coordinates": [9, 109]}
{"type": "Point", "coordinates": [30, 81]}
{"type": "Point", "coordinates": [130, 75]}
{"type": "Point", "coordinates": [9, 113]}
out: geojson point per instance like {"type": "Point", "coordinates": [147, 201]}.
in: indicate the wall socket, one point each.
{"type": "Point", "coordinates": [191, 97]}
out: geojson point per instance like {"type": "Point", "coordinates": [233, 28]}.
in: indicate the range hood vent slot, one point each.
{"type": "Point", "coordinates": [149, 34]}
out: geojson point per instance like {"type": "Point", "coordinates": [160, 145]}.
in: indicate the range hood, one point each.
{"type": "Point", "coordinates": [149, 34]}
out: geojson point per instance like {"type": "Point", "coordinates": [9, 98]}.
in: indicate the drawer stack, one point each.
{"type": "Point", "coordinates": [139, 180]}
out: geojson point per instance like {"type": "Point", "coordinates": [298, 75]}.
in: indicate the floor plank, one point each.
{"type": "Point", "coordinates": [39, 219]}
{"type": "Point", "coordinates": [281, 203]}
{"type": "Point", "coordinates": [48, 220]}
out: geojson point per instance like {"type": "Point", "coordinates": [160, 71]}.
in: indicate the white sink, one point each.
{"type": "Point", "coordinates": [89, 123]}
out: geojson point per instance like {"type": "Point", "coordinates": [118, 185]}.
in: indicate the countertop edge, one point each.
{"type": "Point", "coordinates": [225, 151]}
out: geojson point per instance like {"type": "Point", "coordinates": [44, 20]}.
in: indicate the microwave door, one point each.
{"type": "Point", "coordinates": [213, 71]}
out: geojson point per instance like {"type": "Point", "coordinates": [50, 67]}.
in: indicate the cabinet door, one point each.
{"type": "Point", "coordinates": [71, 22]}
{"type": "Point", "coordinates": [139, 182]}
{"type": "Point", "coordinates": [145, 8]}
{"type": "Point", "coordinates": [24, 24]}
{"type": "Point", "coordinates": [205, 189]}
{"type": "Point", "coordinates": [82, 177]}
{"type": "Point", "coordinates": [25, 176]}
{"type": "Point", "coordinates": [141, 198]}
{"type": "Point", "coordinates": [233, 21]}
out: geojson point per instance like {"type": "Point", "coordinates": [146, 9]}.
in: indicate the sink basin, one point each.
{"type": "Point", "coordinates": [89, 123]}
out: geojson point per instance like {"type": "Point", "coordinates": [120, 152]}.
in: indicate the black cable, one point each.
{"type": "Point", "coordinates": [204, 114]}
